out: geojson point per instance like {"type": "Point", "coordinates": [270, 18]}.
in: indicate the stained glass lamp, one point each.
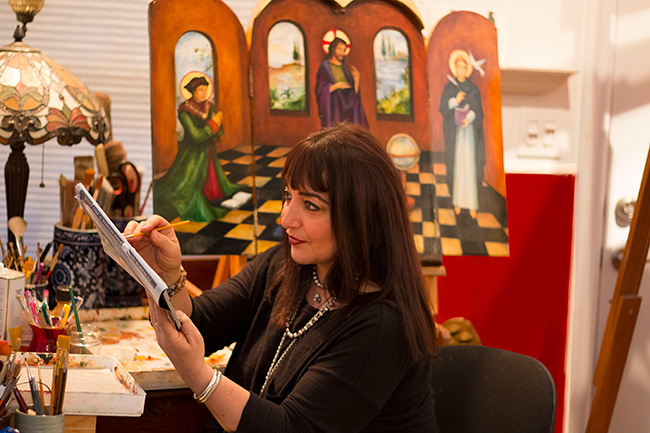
{"type": "Point", "coordinates": [40, 100]}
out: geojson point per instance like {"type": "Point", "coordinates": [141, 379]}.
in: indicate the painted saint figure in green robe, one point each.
{"type": "Point", "coordinates": [195, 183]}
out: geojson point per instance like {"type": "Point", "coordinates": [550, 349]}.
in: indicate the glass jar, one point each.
{"type": "Point", "coordinates": [87, 342]}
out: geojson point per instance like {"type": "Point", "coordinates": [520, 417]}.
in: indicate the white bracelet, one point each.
{"type": "Point", "coordinates": [207, 392]}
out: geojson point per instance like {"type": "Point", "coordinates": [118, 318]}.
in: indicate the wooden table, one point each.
{"type": "Point", "coordinates": [164, 411]}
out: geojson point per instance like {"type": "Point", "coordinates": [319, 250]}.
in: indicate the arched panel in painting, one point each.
{"type": "Point", "coordinates": [201, 126]}
{"type": "Point", "coordinates": [287, 70]}
{"type": "Point", "coordinates": [465, 121]}
{"type": "Point", "coordinates": [392, 53]}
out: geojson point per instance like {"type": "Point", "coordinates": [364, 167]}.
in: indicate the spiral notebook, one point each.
{"type": "Point", "coordinates": [120, 250]}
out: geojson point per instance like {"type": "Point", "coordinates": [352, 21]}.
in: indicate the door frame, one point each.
{"type": "Point", "coordinates": [591, 196]}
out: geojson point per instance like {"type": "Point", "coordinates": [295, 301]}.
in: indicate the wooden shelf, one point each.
{"type": "Point", "coordinates": [522, 81]}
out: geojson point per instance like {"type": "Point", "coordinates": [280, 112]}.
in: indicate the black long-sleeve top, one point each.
{"type": "Point", "coordinates": [348, 373]}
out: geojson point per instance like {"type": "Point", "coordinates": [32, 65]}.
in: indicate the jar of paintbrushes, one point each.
{"type": "Point", "coordinates": [42, 418]}
{"type": "Point", "coordinates": [47, 325]}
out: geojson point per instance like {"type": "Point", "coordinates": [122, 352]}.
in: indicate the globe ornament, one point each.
{"type": "Point", "coordinates": [404, 151]}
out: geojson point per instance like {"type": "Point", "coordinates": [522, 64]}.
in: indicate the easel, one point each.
{"type": "Point", "coordinates": [431, 274]}
{"type": "Point", "coordinates": [623, 313]}
{"type": "Point", "coordinates": [199, 270]}
{"type": "Point", "coordinates": [228, 266]}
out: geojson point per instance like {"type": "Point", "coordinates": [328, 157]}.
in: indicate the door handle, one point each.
{"type": "Point", "coordinates": [624, 211]}
{"type": "Point", "coordinates": [617, 258]}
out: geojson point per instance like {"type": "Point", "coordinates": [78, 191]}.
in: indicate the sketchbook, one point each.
{"type": "Point", "coordinates": [120, 250]}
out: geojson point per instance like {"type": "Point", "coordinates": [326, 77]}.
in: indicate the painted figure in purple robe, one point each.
{"type": "Point", "coordinates": [337, 88]}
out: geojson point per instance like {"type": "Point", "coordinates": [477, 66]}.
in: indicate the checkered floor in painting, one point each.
{"type": "Point", "coordinates": [460, 234]}
{"type": "Point", "coordinates": [438, 230]}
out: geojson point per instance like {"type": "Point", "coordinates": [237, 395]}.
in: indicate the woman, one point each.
{"type": "Point", "coordinates": [333, 328]}
{"type": "Point", "coordinates": [195, 183]}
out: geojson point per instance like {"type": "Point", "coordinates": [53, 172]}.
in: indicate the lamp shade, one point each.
{"type": "Point", "coordinates": [39, 100]}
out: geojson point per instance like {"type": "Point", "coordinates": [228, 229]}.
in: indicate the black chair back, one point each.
{"type": "Point", "coordinates": [480, 389]}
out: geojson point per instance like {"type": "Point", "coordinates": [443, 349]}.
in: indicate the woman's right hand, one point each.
{"type": "Point", "coordinates": [160, 249]}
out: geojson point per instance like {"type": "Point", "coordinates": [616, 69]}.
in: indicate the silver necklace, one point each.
{"type": "Point", "coordinates": [319, 285]}
{"type": "Point", "coordinates": [293, 336]}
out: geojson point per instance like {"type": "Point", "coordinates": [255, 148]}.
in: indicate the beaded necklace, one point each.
{"type": "Point", "coordinates": [319, 285]}
{"type": "Point", "coordinates": [293, 336]}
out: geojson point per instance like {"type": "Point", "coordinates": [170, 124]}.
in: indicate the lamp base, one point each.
{"type": "Point", "coordinates": [16, 178]}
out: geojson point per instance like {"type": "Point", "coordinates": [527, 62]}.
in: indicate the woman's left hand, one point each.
{"type": "Point", "coordinates": [185, 348]}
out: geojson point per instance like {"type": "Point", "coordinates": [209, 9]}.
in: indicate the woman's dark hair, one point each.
{"type": "Point", "coordinates": [371, 226]}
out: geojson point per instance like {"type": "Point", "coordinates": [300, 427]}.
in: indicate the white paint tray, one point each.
{"type": "Point", "coordinates": [96, 385]}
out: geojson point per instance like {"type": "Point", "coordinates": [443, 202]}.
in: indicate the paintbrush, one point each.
{"type": "Point", "coordinates": [135, 235]}
{"type": "Point", "coordinates": [73, 302]}
{"type": "Point", "coordinates": [17, 225]}
{"type": "Point", "coordinates": [67, 201]}
{"type": "Point", "coordinates": [45, 251]}
{"type": "Point", "coordinates": [85, 220]}
{"type": "Point", "coordinates": [146, 197]}
{"type": "Point", "coordinates": [100, 160]}
{"type": "Point", "coordinates": [23, 304]}
{"type": "Point", "coordinates": [36, 397]}
{"type": "Point", "coordinates": [59, 375]}
{"type": "Point", "coordinates": [54, 260]}
{"type": "Point", "coordinates": [4, 253]}
{"type": "Point", "coordinates": [87, 180]}
{"type": "Point", "coordinates": [40, 384]}
{"type": "Point", "coordinates": [82, 163]}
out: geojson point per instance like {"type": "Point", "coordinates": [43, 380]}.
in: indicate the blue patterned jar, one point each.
{"type": "Point", "coordinates": [81, 264]}
{"type": "Point", "coordinates": [122, 290]}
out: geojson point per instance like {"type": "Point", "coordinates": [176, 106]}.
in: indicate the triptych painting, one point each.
{"type": "Point", "coordinates": [228, 107]}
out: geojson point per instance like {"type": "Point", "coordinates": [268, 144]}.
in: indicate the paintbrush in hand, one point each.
{"type": "Point", "coordinates": [135, 235]}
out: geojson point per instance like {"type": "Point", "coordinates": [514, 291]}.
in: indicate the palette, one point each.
{"type": "Point", "coordinates": [128, 336]}
{"type": "Point", "coordinates": [133, 343]}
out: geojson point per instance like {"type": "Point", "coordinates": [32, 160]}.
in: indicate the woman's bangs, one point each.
{"type": "Point", "coordinates": [305, 168]}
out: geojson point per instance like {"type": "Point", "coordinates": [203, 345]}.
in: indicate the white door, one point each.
{"type": "Point", "coordinates": [629, 140]}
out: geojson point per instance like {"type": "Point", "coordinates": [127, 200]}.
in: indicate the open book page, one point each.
{"type": "Point", "coordinates": [119, 249]}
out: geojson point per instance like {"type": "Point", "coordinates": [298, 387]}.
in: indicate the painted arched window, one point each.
{"type": "Point", "coordinates": [287, 68]}
{"type": "Point", "coordinates": [194, 64]}
{"type": "Point", "coordinates": [392, 75]}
